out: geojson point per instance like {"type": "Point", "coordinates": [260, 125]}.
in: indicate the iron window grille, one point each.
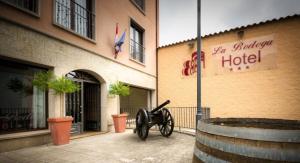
{"type": "Point", "coordinates": [140, 4]}
{"type": "Point", "coordinates": [137, 50]}
{"type": "Point", "coordinates": [77, 16]}
{"type": "Point", "coordinates": [31, 6]}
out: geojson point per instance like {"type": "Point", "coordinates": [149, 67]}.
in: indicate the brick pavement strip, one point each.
{"type": "Point", "coordinates": [110, 148]}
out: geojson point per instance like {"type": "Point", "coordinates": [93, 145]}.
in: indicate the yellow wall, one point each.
{"type": "Point", "coordinates": [264, 93]}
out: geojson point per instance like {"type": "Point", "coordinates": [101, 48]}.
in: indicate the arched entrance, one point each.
{"type": "Point", "coordinates": [84, 105]}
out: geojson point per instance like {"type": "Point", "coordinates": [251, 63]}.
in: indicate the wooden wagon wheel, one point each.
{"type": "Point", "coordinates": [167, 125]}
{"type": "Point", "coordinates": [142, 124]}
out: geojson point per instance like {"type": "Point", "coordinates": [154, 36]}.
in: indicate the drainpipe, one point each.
{"type": "Point", "coordinates": [156, 42]}
{"type": "Point", "coordinates": [199, 112]}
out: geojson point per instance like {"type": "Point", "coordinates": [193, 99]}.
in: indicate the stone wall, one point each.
{"type": "Point", "coordinates": [22, 140]}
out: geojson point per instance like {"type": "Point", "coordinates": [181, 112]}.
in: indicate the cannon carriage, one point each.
{"type": "Point", "coordinates": [159, 116]}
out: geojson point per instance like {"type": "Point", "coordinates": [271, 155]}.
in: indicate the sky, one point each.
{"type": "Point", "coordinates": [178, 18]}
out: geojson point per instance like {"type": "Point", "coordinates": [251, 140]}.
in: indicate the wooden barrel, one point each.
{"type": "Point", "coordinates": [247, 140]}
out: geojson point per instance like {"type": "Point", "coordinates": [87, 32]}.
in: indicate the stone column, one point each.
{"type": "Point", "coordinates": [153, 98]}
{"type": "Point", "coordinates": [104, 108]}
{"type": "Point", "coordinates": [55, 109]}
{"type": "Point", "coordinates": [113, 103]}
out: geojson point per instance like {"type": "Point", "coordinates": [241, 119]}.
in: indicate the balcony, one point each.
{"type": "Point", "coordinates": [137, 51]}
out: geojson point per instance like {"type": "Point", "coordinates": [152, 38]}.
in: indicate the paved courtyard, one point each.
{"type": "Point", "coordinates": [109, 148]}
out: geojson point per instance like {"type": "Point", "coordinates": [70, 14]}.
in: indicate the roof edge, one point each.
{"type": "Point", "coordinates": [232, 29]}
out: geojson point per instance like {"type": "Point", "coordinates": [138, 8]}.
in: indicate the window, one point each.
{"type": "Point", "coordinates": [137, 49]}
{"type": "Point", "coordinates": [77, 16]}
{"type": "Point", "coordinates": [140, 4]}
{"type": "Point", "coordinates": [26, 5]}
{"type": "Point", "coordinates": [22, 106]}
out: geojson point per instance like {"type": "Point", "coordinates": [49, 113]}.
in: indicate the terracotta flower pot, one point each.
{"type": "Point", "coordinates": [120, 122]}
{"type": "Point", "coordinates": [60, 129]}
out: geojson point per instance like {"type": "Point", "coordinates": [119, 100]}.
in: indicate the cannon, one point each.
{"type": "Point", "coordinates": [159, 116]}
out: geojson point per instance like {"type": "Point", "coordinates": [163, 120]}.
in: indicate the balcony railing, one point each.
{"type": "Point", "coordinates": [75, 17]}
{"type": "Point", "coordinates": [131, 112]}
{"type": "Point", "coordinates": [184, 117]}
{"type": "Point", "coordinates": [16, 119]}
{"type": "Point", "coordinates": [137, 51]}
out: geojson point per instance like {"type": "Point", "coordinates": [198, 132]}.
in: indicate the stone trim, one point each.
{"type": "Point", "coordinates": [24, 134]}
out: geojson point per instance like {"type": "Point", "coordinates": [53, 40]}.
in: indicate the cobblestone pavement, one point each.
{"type": "Point", "coordinates": [109, 148]}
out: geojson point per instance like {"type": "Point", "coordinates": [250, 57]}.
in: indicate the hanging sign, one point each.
{"type": "Point", "coordinates": [245, 55]}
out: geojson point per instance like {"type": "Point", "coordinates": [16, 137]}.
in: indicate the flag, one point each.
{"type": "Point", "coordinates": [117, 32]}
{"type": "Point", "coordinates": [119, 43]}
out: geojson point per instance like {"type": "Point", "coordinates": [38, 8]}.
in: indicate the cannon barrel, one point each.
{"type": "Point", "coordinates": [160, 106]}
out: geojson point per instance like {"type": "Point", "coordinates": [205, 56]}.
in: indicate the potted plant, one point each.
{"type": "Point", "coordinates": [59, 126]}
{"type": "Point", "coordinates": [119, 89]}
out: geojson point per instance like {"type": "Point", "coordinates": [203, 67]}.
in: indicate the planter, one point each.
{"type": "Point", "coordinates": [60, 129]}
{"type": "Point", "coordinates": [119, 122]}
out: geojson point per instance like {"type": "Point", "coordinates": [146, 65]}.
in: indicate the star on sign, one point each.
{"type": "Point", "coordinates": [239, 68]}
{"type": "Point", "coordinates": [230, 69]}
{"type": "Point", "coordinates": [247, 67]}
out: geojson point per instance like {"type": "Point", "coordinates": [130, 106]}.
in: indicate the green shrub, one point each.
{"type": "Point", "coordinates": [63, 85]}
{"type": "Point", "coordinates": [46, 80]}
{"type": "Point", "coordinates": [41, 79]}
{"type": "Point", "coordinates": [119, 88]}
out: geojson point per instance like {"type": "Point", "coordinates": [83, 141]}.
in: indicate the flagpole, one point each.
{"type": "Point", "coordinates": [199, 112]}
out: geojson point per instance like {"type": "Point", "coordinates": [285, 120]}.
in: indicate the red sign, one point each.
{"type": "Point", "coordinates": [190, 66]}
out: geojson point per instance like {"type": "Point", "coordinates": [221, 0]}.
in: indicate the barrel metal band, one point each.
{"type": "Point", "coordinates": [251, 133]}
{"type": "Point", "coordinates": [205, 157]}
{"type": "Point", "coordinates": [231, 157]}
{"type": "Point", "coordinates": [250, 151]}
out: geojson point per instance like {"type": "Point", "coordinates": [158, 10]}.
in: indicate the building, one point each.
{"type": "Point", "coordinates": [249, 71]}
{"type": "Point", "coordinates": [74, 38]}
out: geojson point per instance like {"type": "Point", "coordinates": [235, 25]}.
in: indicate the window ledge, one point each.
{"type": "Point", "coordinates": [138, 62]}
{"type": "Point", "coordinates": [138, 7]}
{"type": "Point", "coordinates": [83, 37]}
{"type": "Point", "coordinates": [24, 134]}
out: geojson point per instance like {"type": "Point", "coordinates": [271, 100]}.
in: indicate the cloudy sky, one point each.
{"type": "Point", "coordinates": [178, 18]}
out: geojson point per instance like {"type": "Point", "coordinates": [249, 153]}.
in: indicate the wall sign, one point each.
{"type": "Point", "coordinates": [245, 55]}
{"type": "Point", "coordinates": [190, 66]}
